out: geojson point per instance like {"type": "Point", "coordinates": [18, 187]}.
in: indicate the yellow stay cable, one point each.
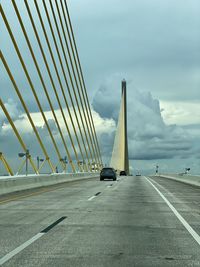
{"type": "Point", "coordinates": [43, 83]}
{"type": "Point", "coordinates": [74, 75]}
{"type": "Point", "coordinates": [63, 50]}
{"type": "Point", "coordinates": [59, 79]}
{"type": "Point", "coordinates": [71, 28]}
{"type": "Point", "coordinates": [6, 165]}
{"type": "Point", "coordinates": [93, 136]}
{"type": "Point", "coordinates": [60, 60]}
{"type": "Point", "coordinates": [31, 84]}
{"type": "Point", "coordinates": [26, 110]}
{"type": "Point", "coordinates": [53, 84]}
{"type": "Point", "coordinates": [73, 53]}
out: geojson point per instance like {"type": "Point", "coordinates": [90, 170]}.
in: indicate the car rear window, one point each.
{"type": "Point", "coordinates": [107, 171]}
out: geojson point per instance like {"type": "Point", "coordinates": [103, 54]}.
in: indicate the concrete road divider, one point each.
{"type": "Point", "coordinates": [19, 183]}
{"type": "Point", "coordinates": [184, 178]}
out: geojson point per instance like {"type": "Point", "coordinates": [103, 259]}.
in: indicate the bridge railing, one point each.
{"type": "Point", "coordinates": [23, 182]}
{"type": "Point", "coordinates": [183, 178]}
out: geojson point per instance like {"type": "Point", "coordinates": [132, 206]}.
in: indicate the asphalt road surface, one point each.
{"type": "Point", "coordinates": [134, 221]}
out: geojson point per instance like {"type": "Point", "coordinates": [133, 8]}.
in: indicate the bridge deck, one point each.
{"type": "Point", "coordinates": [122, 223]}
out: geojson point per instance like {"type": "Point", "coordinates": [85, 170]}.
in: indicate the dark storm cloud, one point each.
{"type": "Point", "coordinates": [148, 136]}
{"type": "Point", "coordinates": [105, 104]}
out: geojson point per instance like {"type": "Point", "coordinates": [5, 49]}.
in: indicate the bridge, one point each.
{"type": "Point", "coordinates": [54, 211]}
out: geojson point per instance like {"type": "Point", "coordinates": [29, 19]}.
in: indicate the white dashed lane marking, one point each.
{"type": "Point", "coordinates": [29, 242]}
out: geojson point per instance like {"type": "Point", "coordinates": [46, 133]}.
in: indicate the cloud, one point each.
{"type": "Point", "coordinates": [10, 145]}
{"type": "Point", "coordinates": [181, 113]}
{"type": "Point", "coordinates": [13, 110]}
{"type": "Point", "coordinates": [139, 39]}
{"type": "Point", "coordinates": [149, 137]}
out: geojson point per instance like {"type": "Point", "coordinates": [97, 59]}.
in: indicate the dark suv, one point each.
{"type": "Point", "coordinates": [108, 173]}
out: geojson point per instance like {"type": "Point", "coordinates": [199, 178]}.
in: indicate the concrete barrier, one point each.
{"type": "Point", "coordinates": [19, 183]}
{"type": "Point", "coordinates": [184, 178]}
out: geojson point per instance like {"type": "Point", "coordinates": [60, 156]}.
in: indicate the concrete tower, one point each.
{"type": "Point", "coordinates": [119, 159]}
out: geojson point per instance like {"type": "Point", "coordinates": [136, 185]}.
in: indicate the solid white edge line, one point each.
{"type": "Point", "coordinates": [20, 248]}
{"type": "Point", "coordinates": [181, 219]}
{"type": "Point", "coordinates": [91, 198]}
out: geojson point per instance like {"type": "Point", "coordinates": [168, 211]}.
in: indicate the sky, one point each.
{"type": "Point", "coordinates": [152, 44]}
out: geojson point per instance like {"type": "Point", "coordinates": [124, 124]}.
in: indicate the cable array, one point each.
{"type": "Point", "coordinates": [55, 73]}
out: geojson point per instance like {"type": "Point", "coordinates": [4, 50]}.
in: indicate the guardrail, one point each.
{"type": "Point", "coordinates": [18, 183]}
{"type": "Point", "coordinates": [184, 178]}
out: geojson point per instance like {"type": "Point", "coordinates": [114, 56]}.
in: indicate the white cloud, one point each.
{"type": "Point", "coordinates": [13, 110]}
{"type": "Point", "coordinates": [103, 127]}
{"type": "Point", "coordinates": [181, 113]}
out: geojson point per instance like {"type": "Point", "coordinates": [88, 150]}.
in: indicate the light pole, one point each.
{"type": "Point", "coordinates": [84, 166]}
{"type": "Point", "coordinates": [64, 160]}
{"type": "Point", "coordinates": [157, 167]}
{"type": "Point", "coordinates": [187, 170]}
{"type": "Point", "coordinates": [38, 162]}
{"type": "Point", "coordinates": [80, 163]}
{"type": "Point", "coordinates": [94, 166]}
{"type": "Point", "coordinates": [27, 155]}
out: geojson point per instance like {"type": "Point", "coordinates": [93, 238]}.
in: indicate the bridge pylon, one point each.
{"type": "Point", "coordinates": [119, 159]}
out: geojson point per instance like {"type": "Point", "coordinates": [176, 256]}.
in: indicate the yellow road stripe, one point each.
{"type": "Point", "coordinates": [29, 195]}
{"type": "Point", "coordinates": [40, 192]}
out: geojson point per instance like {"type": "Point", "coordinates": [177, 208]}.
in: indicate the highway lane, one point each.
{"type": "Point", "coordinates": [185, 198]}
{"type": "Point", "coordinates": [122, 223]}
